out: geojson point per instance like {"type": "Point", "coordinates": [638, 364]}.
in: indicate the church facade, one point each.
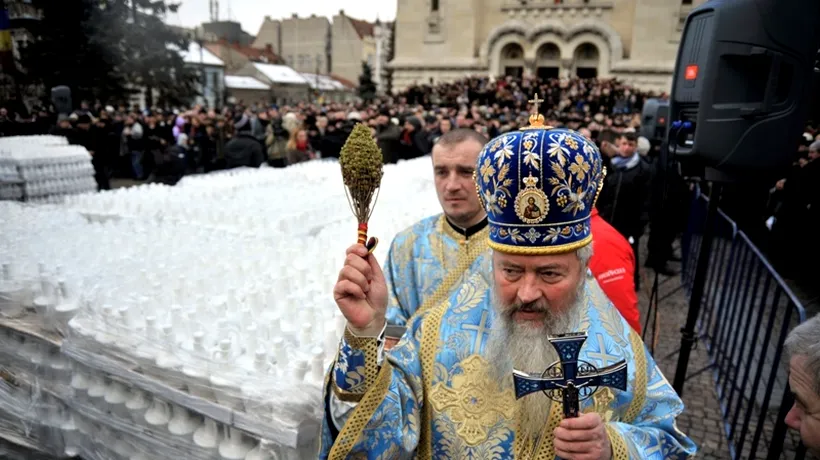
{"type": "Point", "coordinates": [445, 40]}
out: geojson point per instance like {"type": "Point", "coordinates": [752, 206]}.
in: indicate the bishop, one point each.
{"type": "Point", "coordinates": [449, 388]}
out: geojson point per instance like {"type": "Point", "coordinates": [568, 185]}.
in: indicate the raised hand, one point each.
{"type": "Point", "coordinates": [361, 292]}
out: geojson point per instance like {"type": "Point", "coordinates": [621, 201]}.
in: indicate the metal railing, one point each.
{"type": "Point", "coordinates": [746, 312]}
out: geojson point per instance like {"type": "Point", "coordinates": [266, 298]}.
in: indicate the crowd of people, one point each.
{"type": "Point", "coordinates": [164, 145]}
{"type": "Point", "coordinates": [130, 141]}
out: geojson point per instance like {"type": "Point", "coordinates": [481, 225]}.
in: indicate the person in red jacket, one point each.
{"type": "Point", "coordinates": [613, 265]}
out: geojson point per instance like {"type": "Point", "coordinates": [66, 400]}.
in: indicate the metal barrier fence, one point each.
{"type": "Point", "coordinates": [746, 312]}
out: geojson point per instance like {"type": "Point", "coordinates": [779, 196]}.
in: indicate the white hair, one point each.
{"type": "Point", "coordinates": [804, 340]}
{"type": "Point", "coordinates": [584, 255]}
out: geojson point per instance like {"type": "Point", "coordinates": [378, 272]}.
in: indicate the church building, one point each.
{"type": "Point", "coordinates": [444, 40]}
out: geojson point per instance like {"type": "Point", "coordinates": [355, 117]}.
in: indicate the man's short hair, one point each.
{"type": "Point", "coordinates": [804, 340]}
{"type": "Point", "coordinates": [457, 136]}
{"type": "Point", "coordinates": [631, 137]}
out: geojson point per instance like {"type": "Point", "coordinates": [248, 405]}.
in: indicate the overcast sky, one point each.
{"type": "Point", "coordinates": [251, 13]}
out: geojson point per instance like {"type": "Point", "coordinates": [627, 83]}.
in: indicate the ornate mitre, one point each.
{"type": "Point", "coordinates": [538, 186]}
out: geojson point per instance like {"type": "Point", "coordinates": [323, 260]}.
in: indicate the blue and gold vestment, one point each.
{"type": "Point", "coordinates": [433, 398]}
{"type": "Point", "coordinates": [433, 395]}
{"type": "Point", "coordinates": [427, 262]}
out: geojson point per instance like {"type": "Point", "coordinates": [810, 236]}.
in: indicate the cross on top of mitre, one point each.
{"type": "Point", "coordinates": [536, 119]}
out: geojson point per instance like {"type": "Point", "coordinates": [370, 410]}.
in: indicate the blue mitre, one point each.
{"type": "Point", "coordinates": [539, 186]}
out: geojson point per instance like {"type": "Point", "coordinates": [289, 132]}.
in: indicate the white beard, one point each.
{"type": "Point", "coordinates": [527, 348]}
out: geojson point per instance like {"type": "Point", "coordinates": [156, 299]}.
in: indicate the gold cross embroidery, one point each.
{"type": "Point", "coordinates": [480, 330]}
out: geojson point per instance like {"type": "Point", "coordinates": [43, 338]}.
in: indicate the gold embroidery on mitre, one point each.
{"type": "Point", "coordinates": [531, 204]}
{"type": "Point", "coordinates": [472, 401]}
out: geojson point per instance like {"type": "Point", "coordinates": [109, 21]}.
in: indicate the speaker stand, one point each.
{"type": "Point", "coordinates": [688, 334]}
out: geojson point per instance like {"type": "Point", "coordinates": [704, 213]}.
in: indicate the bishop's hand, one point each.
{"type": "Point", "coordinates": [361, 292]}
{"type": "Point", "coordinates": [582, 438]}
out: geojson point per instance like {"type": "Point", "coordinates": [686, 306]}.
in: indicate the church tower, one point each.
{"type": "Point", "coordinates": [435, 39]}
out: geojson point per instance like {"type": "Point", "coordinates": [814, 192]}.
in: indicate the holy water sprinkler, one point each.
{"type": "Point", "coordinates": [362, 169]}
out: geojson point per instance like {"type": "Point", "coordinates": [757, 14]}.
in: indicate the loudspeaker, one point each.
{"type": "Point", "coordinates": [742, 78]}
{"type": "Point", "coordinates": [61, 98]}
{"type": "Point", "coordinates": [654, 119]}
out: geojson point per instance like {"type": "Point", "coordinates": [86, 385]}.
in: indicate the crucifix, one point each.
{"type": "Point", "coordinates": [569, 380]}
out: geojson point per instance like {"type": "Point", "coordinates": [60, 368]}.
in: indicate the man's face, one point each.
{"type": "Point", "coordinates": [445, 126]}
{"type": "Point", "coordinates": [321, 122]}
{"type": "Point", "coordinates": [532, 290]}
{"type": "Point", "coordinates": [804, 416]}
{"type": "Point", "coordinates": [534, 297]}
{"type": "Point", "coordinates": [453, 167]}
{"type": "Point", "coordinates": [586, 133]}
{"type": "Point", "coordinates": [627, 147]}
{"type": "Point", "coordinates": [813, 154]}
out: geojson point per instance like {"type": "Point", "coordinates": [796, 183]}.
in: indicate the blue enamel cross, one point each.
{"type": "Point", "coordinates": [569, 380]}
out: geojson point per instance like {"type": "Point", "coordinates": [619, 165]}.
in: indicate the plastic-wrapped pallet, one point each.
{"type": "Point", "coordinates": [43, 169]}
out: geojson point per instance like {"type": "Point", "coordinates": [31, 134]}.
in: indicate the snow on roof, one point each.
{"type": "Point", "coordinates": [323, 82]}
{"type": "Point", "coordinates": [240, 82]}
{"type": "Point", "coordinates": [192, 56]}
{"type": "Point", "coordinates": [280, 74]}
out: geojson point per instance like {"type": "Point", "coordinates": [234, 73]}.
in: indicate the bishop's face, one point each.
{"type": "Point", "coordinates": [533, 291]}
{"type": "Point", "coordinates": [534, 297]}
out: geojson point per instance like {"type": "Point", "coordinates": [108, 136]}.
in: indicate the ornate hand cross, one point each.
{"type": "Point", "coordinates": [568, 380]}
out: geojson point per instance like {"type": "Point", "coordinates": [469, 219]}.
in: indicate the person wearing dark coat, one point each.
{"type": "Point", "coordinates": [103, 152]}
{"type": "Point", "coordinates": [90, 138]}
{"type": "Point", "coordinates": [624, 199]}
{"type": "Point", "coordinates": [414, 140]}
{"type": "Point", "coordinates": [388, 138]}
{"type": "Point", "coordinates": [244, 149]}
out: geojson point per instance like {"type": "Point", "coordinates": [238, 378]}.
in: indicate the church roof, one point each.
{"type": "Point", "coordinates": [280, 74]}
{"type": "Point", "coordinates": [193, 56]}
{"type": "Point", "coordinates": [347, 83]}
{"type": "Point", "coordinates": [363, 28]}
{"type": "Point", "coordinates": [324, 82]}
{"type": "Point", "coordinates": [265, 55]}
{"type": "Point", "coordinates": [242, 82]}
